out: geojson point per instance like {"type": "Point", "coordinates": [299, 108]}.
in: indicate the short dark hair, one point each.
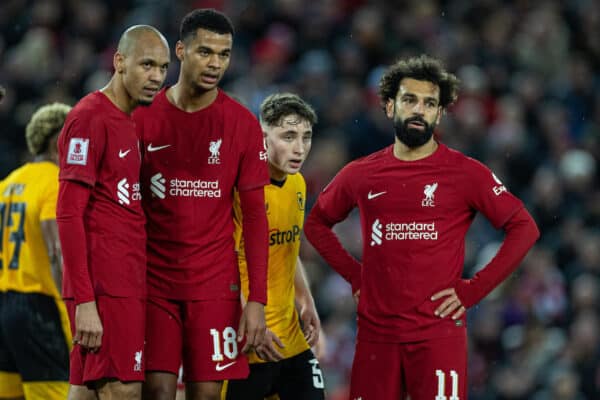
{"type": "Point", "coordinates": [279, 105]}
{"type": "Point", "coordinates": [205, 18]}
{"type": "Point", "coordinates": [422, 68]}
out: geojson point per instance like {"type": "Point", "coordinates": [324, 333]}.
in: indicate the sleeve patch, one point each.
{"type": "Point", "coordinates": [78, 151]}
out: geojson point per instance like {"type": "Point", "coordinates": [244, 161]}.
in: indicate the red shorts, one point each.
{"type": "Point", "coordinates": [121, 354]}
{"type": "Point", "coordinates": [427, 370]}
{"type": "Point", "coordinates": [200, 334]}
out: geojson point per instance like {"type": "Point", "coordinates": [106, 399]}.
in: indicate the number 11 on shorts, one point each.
{"type": "Point", "coordinates": [229, 344]}
{"type": "Point", "coordinates": [441, 378]}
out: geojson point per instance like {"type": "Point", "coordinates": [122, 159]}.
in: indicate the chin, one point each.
{"type": "Point", "coordinates": [144, 102]}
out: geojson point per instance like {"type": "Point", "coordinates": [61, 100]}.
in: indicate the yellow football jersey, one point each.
{"type": "Point", "coordinates": [27, 197]}
{"type": "Point", "coordinates": [285, 213]}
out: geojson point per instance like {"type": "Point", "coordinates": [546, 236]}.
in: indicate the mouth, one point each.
{"type": "Point", "coordinates": [295, 164]}
{"type": "Point", "coordinates": [149, 91]}
{"type": "Point", "coordinates": [211, 79]}
{"type": "Point", "coordinates": [416, 125]}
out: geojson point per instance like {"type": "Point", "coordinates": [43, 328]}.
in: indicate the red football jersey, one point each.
{"type": "Point", "coordinates": [191, 164]}
{"type": "Point", "coordinates": [99, 147]}
{"type": "Point", "coordinates": [414, 218]}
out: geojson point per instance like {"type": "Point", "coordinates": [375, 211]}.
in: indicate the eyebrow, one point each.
{"type": "Point", "coordinates": [412, 95]}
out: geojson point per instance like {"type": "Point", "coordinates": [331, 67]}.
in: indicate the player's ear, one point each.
{"type": "Point", "coordinates": [180, 50]}
{"type": "Point", "coordinates": [389, 108]}
{"type": "Point", "coordinates": [119, 62]}
{"type": "Point", "coordinates": [439, 116]}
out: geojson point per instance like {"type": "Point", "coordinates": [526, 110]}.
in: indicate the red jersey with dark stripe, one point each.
{"type": "Point", "coordinates": [414, 218]}
{"type": "Point", "coordinates": [98, 147]}
{"type": "Point", "coordinates": [191, 163]}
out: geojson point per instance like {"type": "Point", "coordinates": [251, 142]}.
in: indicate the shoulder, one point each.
{"type": "Point", "coordinates": [465, 168]}
{"type": "Point", "coordinates": [91, 109]}
{"type": "Point", "coordinates": [233, 107]}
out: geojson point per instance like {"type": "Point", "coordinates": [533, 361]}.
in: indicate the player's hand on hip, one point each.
{"type": "Point", "coordinates": [267, 350]}
{"type": "Point", "coordinates": [88, 327]}
{"type": "Point", "coordinates": [252, 325]}
{"type": "Point", "coordinates": [450, 305]}
{"type": "Point", "coordinates": [311, 324]}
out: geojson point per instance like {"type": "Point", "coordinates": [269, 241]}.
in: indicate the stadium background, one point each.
{"type": "Point", "coordinates": [529, 108]}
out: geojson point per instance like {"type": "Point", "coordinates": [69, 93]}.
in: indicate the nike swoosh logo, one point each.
{"type": "Point", "coordinates": [150, 148]}
{"type": "Point", "coordinates": [123, 153]}
{"type": "Point", "coordinates": [371, 196]}
{"type": "Point", "coordinates": [220, 367]}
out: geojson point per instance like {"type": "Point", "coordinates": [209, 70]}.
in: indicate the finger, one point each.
{"type": "Point", "coordinates": [442, 293]}
{"type": "Point", "coordinates": [311, 339]}
{"type": "Point", "coordinates": [442, 307]}
{"type": "Point", "coordinates": [77, 337]}
{"type": "Point", "coordinates": [278, 341]}
{"type": "Point", "coordinates": [250, 342]}
{"type": "Point", "coordinates": [272, 353]}
{"type": "Point", "coordinates": [85, 340]}
{"type": "Point", "coordinates": [459, 313]}
{"type": "Point", "coordinates": [241, 328]}
{"type": "Point", "coordinates": [315, 335]}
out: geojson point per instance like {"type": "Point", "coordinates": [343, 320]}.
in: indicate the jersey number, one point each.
{"type": "Point", "coordinates": [441, 378]}
{"type": "Point", "coordinates": [17, 236]}
{"type": "Point", "coordinates": [317, 374]}
{"type": "Point", "coordinates": [229, 344]}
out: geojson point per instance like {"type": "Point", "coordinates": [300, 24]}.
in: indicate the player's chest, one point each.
{"type": "Point", "coordinates": [285, 209]}
{"type": "Point", "coordinates": [424, 194]}
{"type": "Point", "coordinates": [199, 147]}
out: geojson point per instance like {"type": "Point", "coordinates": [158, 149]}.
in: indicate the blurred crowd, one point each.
{"type": "Point", "coordinates": [529, 108]}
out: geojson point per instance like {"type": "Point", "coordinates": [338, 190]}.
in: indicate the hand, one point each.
{"type": "Point", "coordinates": [267, 350]}
{"type": "Point", "coordinates": [88, 327]}
{"type": "Point", "coordinates": [451, 305]}
{"type": "Point", "coordinates": [356, 296]}
{"type": "Point", "coordinates": [311, 324]}
{"type": "Point", "coordinates": [252, 325]}
{"type": "Point", "coordinates": [320, 348]}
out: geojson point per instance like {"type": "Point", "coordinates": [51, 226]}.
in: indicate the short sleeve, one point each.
{"type": "Point", "coordinates": [253, 170]}
{"type": "Point", "coordinates": [80, 149]}
{"type": "Point", "coordinates": [488, 195]}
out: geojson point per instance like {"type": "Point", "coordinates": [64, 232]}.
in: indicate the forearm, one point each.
{"type": "Point", "coordinates": [255, 234]}
{"type": "Point", "coordinates": [521, 233]}
{"type": "Point", "coordinates": [302, 289]}
{"type": "Point", "coordinates": [72, 202]}
{"type": "Point", "coordinates": [50, 234]}
{"type": "Point", "coordinates": [318, 231]}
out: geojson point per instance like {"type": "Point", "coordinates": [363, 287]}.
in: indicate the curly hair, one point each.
{"type": "Point", "coordinates": [279, 105]}
{"type": "Point", "coordinates": [422, 68]}
{"type": "Point", "coordinates": [46, 122]}
{"type": "Point", "coordinates": [204, 18]}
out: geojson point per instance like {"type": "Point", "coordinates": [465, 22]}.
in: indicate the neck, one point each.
{"type": "Point", "coordinates": [276, 174]}
{"type": "Point", "coordinates": [189, 98]}
{"type": "Point", "coordinates": [43, 157]}
{"type": "Point", "coordinates": [405, 153]}
{"type": "Point", "coordinates": [116, 93]}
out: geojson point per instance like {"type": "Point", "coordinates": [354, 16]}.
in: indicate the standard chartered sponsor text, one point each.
{"type": "Point", "coordinates": [194, 188]}
{"type": "Point", "coordinates": [410, 231]}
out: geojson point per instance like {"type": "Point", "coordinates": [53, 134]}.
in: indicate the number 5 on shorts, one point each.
{"type": "Point", "coordinates": [229, 344]}
{"type": "Point", "coordinates": [441, 378]}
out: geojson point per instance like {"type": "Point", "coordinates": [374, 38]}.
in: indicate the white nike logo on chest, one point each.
{"type": "Point", "coordinates": [371, 196]}
{"type": "Point", "coordinates": [123, 153]}
{"type": "Point", "coordinates": [156, 148]}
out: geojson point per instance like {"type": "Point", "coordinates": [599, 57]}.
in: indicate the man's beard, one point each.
{"type": "Point", "coordinates": [144, 103]}
{"type": "Point", "coordinates": [413, 137]}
